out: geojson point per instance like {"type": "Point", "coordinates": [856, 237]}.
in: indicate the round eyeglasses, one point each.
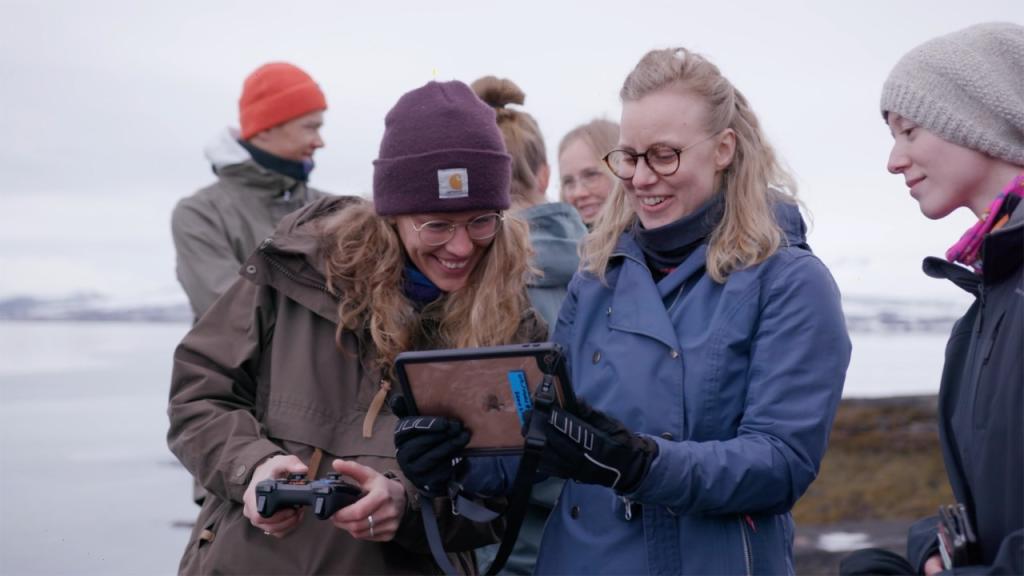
{"type": "Point", "coordinates": [438, 232]}
{"type": "Point", "coordinates": [586, 178]}
{"type": "Point", "coordinates": [662, 159]}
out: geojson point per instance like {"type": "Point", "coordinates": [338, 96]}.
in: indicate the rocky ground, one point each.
{"type": "Point", "coordinates": [882, 471]}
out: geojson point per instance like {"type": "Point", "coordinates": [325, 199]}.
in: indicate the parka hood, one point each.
{"type": "Point", "coordinates": [229, 159]}
{"type": "Point", "coordinates": [792, 223]}
{"type": "Point", "coordinates": [224, 150]}
{"type": "Point", "coordinates": [291, 259]}
{"type": "Point", "coordinates": [555, 232]}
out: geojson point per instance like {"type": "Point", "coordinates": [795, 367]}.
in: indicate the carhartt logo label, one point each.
{"type": "Point", "coordinates": [452, 183]}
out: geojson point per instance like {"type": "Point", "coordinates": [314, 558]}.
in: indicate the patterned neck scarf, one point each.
{"type": "Point", "coordinates": [967, 250]}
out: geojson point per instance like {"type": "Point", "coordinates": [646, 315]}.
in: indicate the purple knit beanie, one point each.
{"type": "Point", "coordinates": [442, 151]}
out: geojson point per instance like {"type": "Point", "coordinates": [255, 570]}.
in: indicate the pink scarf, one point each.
{"type": "Point", "coordinates": [967, 250]}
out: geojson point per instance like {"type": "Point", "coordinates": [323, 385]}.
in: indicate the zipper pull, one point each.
{"type": "Point", "coordinates": [628, 504]}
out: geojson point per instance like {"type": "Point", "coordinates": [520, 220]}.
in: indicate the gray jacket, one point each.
{"type": "Point", "coordinates": [555, 232]}
{"type": "Point", "coordinates": [217, 228]}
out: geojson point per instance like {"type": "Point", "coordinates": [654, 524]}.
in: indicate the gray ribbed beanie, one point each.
{"type": "Point", "coordinates": [967, 87]}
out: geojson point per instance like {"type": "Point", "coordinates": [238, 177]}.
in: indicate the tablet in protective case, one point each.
{"type": "Point", "coordinates": [488, 389]}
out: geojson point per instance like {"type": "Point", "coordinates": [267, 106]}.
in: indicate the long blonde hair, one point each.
{"type": "Point", "coordinates": [753, 181]}
{"type": "Point", "coordinates": [364, 262]}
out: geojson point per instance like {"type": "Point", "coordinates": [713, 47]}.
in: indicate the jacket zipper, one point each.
{"type": "Point", "coordinates": [288, 273]}
{"type": "Point", "coordinates": [627, 508]}
{"type": "Point", "coordinates": [981, 308]}
{"type": "Point", "coordinates": [748, 556]}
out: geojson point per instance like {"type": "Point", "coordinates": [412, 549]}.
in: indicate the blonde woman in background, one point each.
{"type": "Point", "coordinates": [584, 180]}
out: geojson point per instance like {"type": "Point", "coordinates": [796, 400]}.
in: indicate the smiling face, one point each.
{"type": "Point", "coordinates": [296, 139]}
{"type": "Point", "coordinates": [942, 176]}
{"type": "Point", "coordinates": [585, 183]}
{"type": "Point", "coordinates": [449, 265]}
{"type": "Point", "coordinates": [674, 117]}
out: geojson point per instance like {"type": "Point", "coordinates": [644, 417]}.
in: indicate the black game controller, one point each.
{"type": "Point", "coordinates": [326, 495]}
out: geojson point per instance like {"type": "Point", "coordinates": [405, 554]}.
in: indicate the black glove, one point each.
{"type": "Point", "coordinates": [593, 448]}
{"type": "Point", "coordinates": [428, 451]}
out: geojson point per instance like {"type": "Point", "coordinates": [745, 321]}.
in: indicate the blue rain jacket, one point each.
{"type": "Point", "coordinates": [738, 383]}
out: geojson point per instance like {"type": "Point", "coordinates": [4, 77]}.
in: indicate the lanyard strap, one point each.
{"type": "Point", "coordinates": [519, 501]}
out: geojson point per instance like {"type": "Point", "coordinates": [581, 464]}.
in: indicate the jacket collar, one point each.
{"type": "Point", "coordinates": [638, 303]}
{"type": "Point", "coordinates": [1004, 248]}
{"type": "Point", "coordinates": [290, 260]}
{"type": "Point", "coordinates": [1003, 254]}
{"type": "Point", "coordinates": [635, 289]}
{"type": "Point", "coordinates": [230, 160]}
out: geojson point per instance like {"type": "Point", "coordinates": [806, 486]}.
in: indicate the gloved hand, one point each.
{"type": "Point", "coordinates": [429, 449]}
{"type": "Point", "coordinates": [594, 448]}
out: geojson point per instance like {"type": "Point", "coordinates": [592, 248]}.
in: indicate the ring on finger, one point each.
{"type": "Point", "coordinates": [369, 520]}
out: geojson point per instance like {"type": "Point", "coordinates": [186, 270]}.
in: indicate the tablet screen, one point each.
{"type": "Point", "coordinates": [488, 389]}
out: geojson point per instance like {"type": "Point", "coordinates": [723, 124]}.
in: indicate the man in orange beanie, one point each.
{"type": "Point", "coordinates": [261, 176]}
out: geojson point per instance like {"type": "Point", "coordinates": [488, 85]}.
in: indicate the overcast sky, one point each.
{"type": "Point", "coordinates": [105, 107]}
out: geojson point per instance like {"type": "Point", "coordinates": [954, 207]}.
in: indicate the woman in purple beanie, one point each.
{"type": "Point", "coordinates": [705, 342]}
{"type": "Point", "coordinates": [290, 371]}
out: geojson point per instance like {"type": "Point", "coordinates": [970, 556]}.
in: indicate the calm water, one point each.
{"type": "Point", "coordinates": [88, 485]}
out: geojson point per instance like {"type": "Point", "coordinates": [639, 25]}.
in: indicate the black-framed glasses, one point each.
{"type": "Point", "coordinates": [438, 232]}
{"type": "Point", "coordinates": [661, 158]}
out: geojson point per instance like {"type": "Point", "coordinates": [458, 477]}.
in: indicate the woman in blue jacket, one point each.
{"type": "Point", "coordinates": [705, 338]}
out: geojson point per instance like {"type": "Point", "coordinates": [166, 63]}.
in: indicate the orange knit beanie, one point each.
{"type": "Point", "coordinates": [275, 93]}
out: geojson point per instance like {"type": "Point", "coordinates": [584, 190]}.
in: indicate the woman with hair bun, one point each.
{"type": "Point", "coordinates": [555, 233]}
{"type": "Point", "coordinates": [555, 228]}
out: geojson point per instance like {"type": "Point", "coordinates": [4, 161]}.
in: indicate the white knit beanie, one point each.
{"type": "Point", "coordinates": [966, 87]}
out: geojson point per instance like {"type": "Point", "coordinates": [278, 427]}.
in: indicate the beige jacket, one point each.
{"type": "Point", "coordinates": [219, 226]}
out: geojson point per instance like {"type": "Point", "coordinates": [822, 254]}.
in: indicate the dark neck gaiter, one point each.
{"type": "Point", "coordinates": [290, 168]}
{"type": "Point", "coordinates": [418, 288]}
{"type": "Point", "coordinates": [666, 247]}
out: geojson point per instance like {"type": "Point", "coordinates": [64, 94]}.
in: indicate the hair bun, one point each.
{"type": "Point", "coordinates": [498, 92]}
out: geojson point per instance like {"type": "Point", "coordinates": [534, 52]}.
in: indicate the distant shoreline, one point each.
{"type": "Point", "coordinates": [864, 314]}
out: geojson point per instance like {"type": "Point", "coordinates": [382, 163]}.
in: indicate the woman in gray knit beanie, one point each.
{"type": "Point", "coordinates": [964, 93]}
{"type": "Point", "coordinates": [955, 107]}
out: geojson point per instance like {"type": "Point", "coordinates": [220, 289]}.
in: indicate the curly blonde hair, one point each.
{"type": "Point", "coordinates": [364, 262]}
{"type": "Point", "coordinates": [754, 180]}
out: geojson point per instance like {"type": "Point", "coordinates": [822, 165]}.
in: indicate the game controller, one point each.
{"type": "Point", "coordinates": [326, 495]}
